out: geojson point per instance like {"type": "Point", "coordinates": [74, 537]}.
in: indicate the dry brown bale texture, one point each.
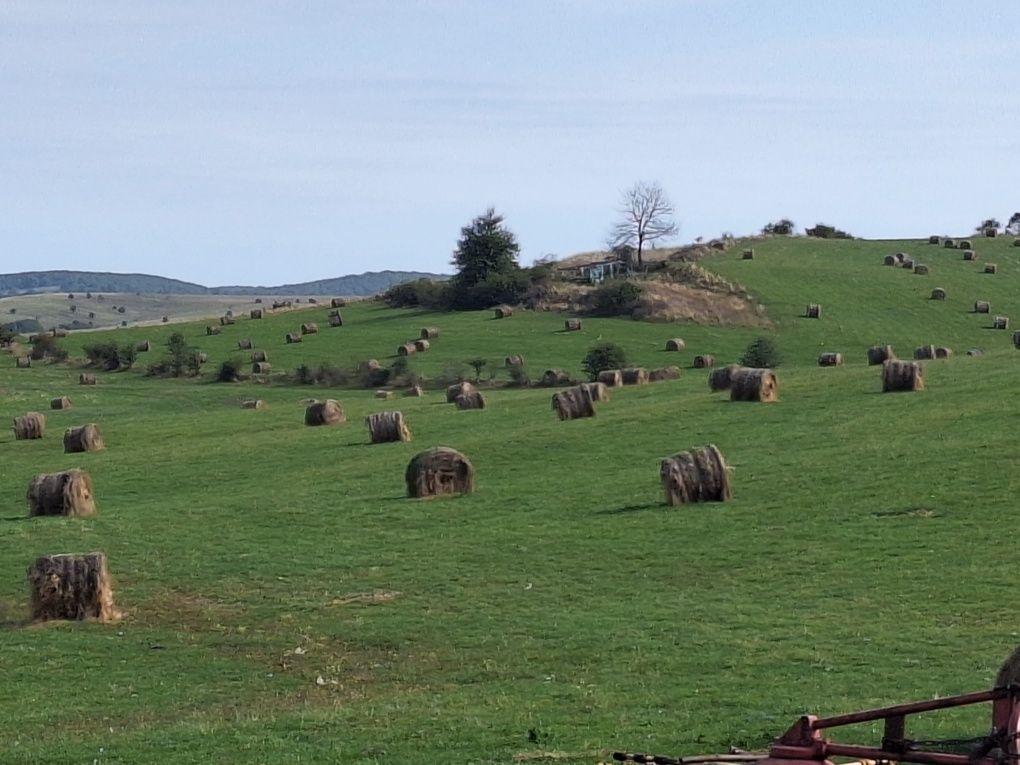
{"type": "Point", "coordinates": [85, 438]}
{"type": "Point", "coordinates": [503, 312]}
{"type": "Point", "coordinates": [634, 376]}
{"type": "Point", "coordinates": [143, 346]}
{"type": "Point", "coordinates": [259, 356]}
{"type": "Point", "coordinates": [965, 244]}
{"type": "Point", "coordinates": [747, 384]}
{"type": "Point", "coordinates": [245, 344]}
{"type": "Point", "coordinates": [991, 268]}
{"type": "Point", "coordinates": [573, 403]}
{"type": "Point", "coordinates": [1016, 339]}
{"type": "Point", "coordinates": [572, 325]}
{"type": "Point", "coordinates": [256, 313]}
{"type": "Point", "coordinates": [830, 360]}
{"type": "Point", "coordinates": [421, 345]}
{"type": "Point", "coordinates": [293, 337]}
{"type": "Point", "coordinates": [406, 349]}
{"type": "Point", "coordinates": [211, 330]}
{"type": "Point", "coordinates": [982, 306]}
{"type": "Point", "coordinates": [664, 373]}
{"type": "Point", "coordinates": [924, 352]}
{"type": "Point", "coordinates": [29, 426]}
{"type": "Point", "coordinates": [68, 493]}
{"type": "Point", "coordinates": [902, 376]}
{"type": "Point", "coordinates": [704, 361]}
{"type": "Point", "coordinates": [696, 475]}
{"type": "Point", "coordinates": [415, 391]}
{"type": "Point", "coordinates": [612, 378]}
{"type": "Point", "coordinates": [384, 394]}
{"type": "Point", "coordinates": [943, 352]}
{"type": "Point", "coordinates": [71, 587]}
{"type": "Point", "coordinates": [23, 362]}
{"type": "Point", "coordinates": [675, 344]}
{"type": "Point", "coordinates": [328, 412]}
{"type": "Point", "coordinates": [225, 320]}
{"type": "Point", "coordinates": [386, 427]}
{"type": "Point", "coordinates": [921, 268]}
{"type": "Point", "coordinates": [554, 377]}
{"type": "Point", "coordinates": [253, 403]}
{"type": "Point", "coordinates": [472, 400]}
{"type": "Point", "coordinates": [938, 294]}
{"type": "Point", "coordinates": [969, 255]}
{"type": "Point", "coordinates": [747, 254]}
{"type": "Point", "coordinates": [879, 354]}
{"type": "Point", "coordinates": [597, 390]}
{"type": "Point", "coordinates": [262, 368]}
{"type": "Point", "coordinates": [337, 303]}
{"type": "Point", "coordinates": [309, 328]}
{"type": "Point", "coordinates": [429, 333]}
{"type": "Point", "coordinates": [336, 321]}
{"type": "Point", "coordinates": [60, 403]}
{"type": "Point", "coordinates": [933, 240]}
{"type": "Point", "coordinates": [721, 378]}
{"type": "Point", "coordinates": [439, 471]}
{"type": "Point", "coordinates": [813, 311]}
{"type": "Point", "coordinates": [513, 360]}
{"type": "Point", "coordinates": [86, 378]}
{"type": "Point", "coordinates": [1000, 322]}
{"type": "Point", "coordinates": [890, 260]}
{"type": "Point", "coordinates": [949, 244]}
{"type": "Point", "coordinates": [458, 389]}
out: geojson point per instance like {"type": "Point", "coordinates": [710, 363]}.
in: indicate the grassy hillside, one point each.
{"type": "Point", "coordinates": [285, 603]}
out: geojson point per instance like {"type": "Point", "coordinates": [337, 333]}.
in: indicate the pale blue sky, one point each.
{"type": "Point", "coordinates": [263, 142]}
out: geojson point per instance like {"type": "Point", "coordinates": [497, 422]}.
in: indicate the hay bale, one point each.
{"type": "Point", "coordinates": [337, 303]}
{"type": "Point", "coordinates": [1016, 242]}
{"type": "Point", "coordinates": [513, 360]}
{"type": "Point", "coordinates": [472, 400]}
{"type": "Point", "coordinates": [211, 330]}
{"type": "Point", "coordinates": [696, 475]}
{"type": "Point", "coordinates": [244, 345]}
{"type": "Point", "coordinates": [902, 376]}
{"type": "Point", "coordinates": [439, 471]}
{"type": "Point", "coordinates": [664, 373]}
{"type": "Point", "coordinates": [293, 337]}
{"type": "Point", "coordinates": [421, 345]}
{"type": "Point", "coordinates": [813, 311]}
{"type": "Point", "coordinates": [1000, 322]}
{"type": "Point", "coordinates": [573, 403]}
{"type": "Point", "coordinates": [72, 588]}
{"type": "Point", "coordinates": [634, 376]}
{"type": "Point", "coordinates": [921, 269]}
{"type": "Point", "coordinates": [503, 312]}
{"type": "Point", "coordinates": [253, 403]}
{"type": "Point", "coordinates": [949, 244]}
{"type": "Point", "coordinates": [675, 344]}
{"type": "Point", "coordinates": [261, 368]}
{"type": "Point", "coordinates": [747, 384]}
{"type": "Point", "coordinates": [23, 362]}
{"type": "Point", "coordinates": [60, 403]}
{"type": "Point", "coordinates": [704, 361]}
{"type": "Point", "coordinates": [68, 493]}
{"type": "Point", "coordinates": [991, 268]}
{"type": "Point", "coordinates": [943, 352]}
{"type": "Point", "coordinates": [384, 394]}
{"type": "Point", "coordinates": [29, 426]}
{"type": "Point", "coordinates": [933, 240]}
{"type": "Point", "coordinates": [336, 321]}
{"type": "Point", "coordinates": [969, 255]}
{"type": "Point", "coordinates": [879, 354]}
{"type": "Point", "coordinates": [259, 356]}
{"type": "Point", "coordinates": [924, 352]}
{"type": "Point", "coordinates": [747, 254]}
{"type": "Point", "coordinates": [975, 352]}
{"type": "Point", "coordinates": [85, 438]}
{"type": "Point", "coordinates": [226, 320]}
{"type": "Point", "coordinates": [611, 378]}
{"type": "Point", "coordinates": [907, 264]}
{"type": "Point", "coordinates": [429, 333]}
{"type": "Point", "coordinates": [386, 427]}
{"type": "Point", "coordinates": [982, 306]}
{"type": "Point", "coordinates": [938, 294]}
{"type": "Point", "coordinates": [458, 389]}
{"type": "Point", "coordinates": [830, 360]}
{"type": "Point", "coordinates": [143, 347]}
{"type": "Point", "coordinates": [255, 313]}
{"type": "Point", "coordinates": [597, 390]}
{"type": "Point", "coordinates": [328, 412]}
{"type": "Point", "coordinates": [202, 357]}
{"type": "Point", "coordinates": [415, 391]}
{"type": "Point", "coordinates": [63, 332]}
{"type": "Point", "coordinates": [309, 328]}
{"type": "Point", "coordinates": [407, 349]}
{"type": "Point", "coordinates": [572, 325]}
{"type": "Point", "coordinates": [890, 260]}
{"type": "Point", "coordinates": [965, 244]}
{"type": "Point", "coordinates": [721, 378]}
{"type": "Point", "coordinates": [1016, 340]}
{"type": "Point", "coordinates": [554, 377]}
{"type": "Point", "coordinates": [86, 378]}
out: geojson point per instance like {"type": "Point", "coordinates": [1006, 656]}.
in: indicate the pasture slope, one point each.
{"type": "Point", "coordinates": [286, 604]}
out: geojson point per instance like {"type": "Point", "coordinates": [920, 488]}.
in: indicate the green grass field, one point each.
{"type": "Point", "coordinates": [286, 604]}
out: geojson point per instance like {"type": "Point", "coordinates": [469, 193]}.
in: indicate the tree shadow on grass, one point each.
{"type": "Point", "coordinates": [630, 509]}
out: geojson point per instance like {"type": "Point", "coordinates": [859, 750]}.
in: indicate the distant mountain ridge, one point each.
{"type": "Point", "coordinates": [27, 282]}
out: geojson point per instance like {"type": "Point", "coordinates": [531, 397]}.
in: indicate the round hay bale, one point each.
{"type": "Point", "coordinates": [991, 268]}
{"type": "Point", "coordinates": [612, 378]}
{"type": "Point", "coordinates": [969, 255]}
{"type": "Point", "coordinates": [255, 313]}
{"type": "Point", "coordinates": [721, 378]}
{"type": "Point", "coordinates": [86, 378]}
{"type": "Point", "coordinates": [458, 389]}
{"type": "Point", "coordinates": [63, 402]}
{"type": "Point", "coordinates": [1000, 322]}
{"type": "Point", "coordinates": [938, 294]}
{"type": "Point", "coordinates": [337, 303]}
{"type": "Point", "coordinates": [704, 361]}
{"type": "Point", "coordinates": [309, 328]}
{"type": "Point", "coordinates": [429, 333]}
{"type": "Point", "coordinates": [813, 311]}
{"type": "Point", "coordinates": [211, 330]}
{"type": "Point", "coordinates": [664, 373]}
{"type": "Point", "coordinates": [943, 352]}
{"type": "Point", "coordinates": [328, 412]}
{"type": "Point", "coordinates": [503, 312]}
{"type": "Point", "coordinates": [415, 391]}
{"type": "Point", "coordinates": [226, 320]}
{"type": "Point", "coordinates": [421, 345]}
{"type": "Point", "coordinates": [23, 362]}
{"type": "Point", "coordinates": [965, 244]}
{"type": "Point", "coordinates": [472, 400]}
{"type": "Point", "coordinates": [293, 337]}
{"type": "Point", "coordinates": [143, 347]}
{"type": "Point", "coordinates": [202, 357]}
{"type": "Point", "coordinates": [597, 390]}
{"type": "Point", "coordinates": [921, 269]}
{"type": "Point", "coordinates": [29, 426]}
{"type": "Point", "coordinates": [933, 240]}
{"type": "Point", "coordinates": [253, 403]}
{"type": "Point", "coordinates": [68, 493]}
{"type": "Point", "coordinates": [949, 244]}
{"type": "Point", "coordinates": [438, 472]}
{"type": "Point", "coordinates": [336, 321]}
{"type": "Point", "coordinates": [384, 394]}
{"type": "Point", "coordinates": [1016, 340]}
{"type": "Point", "coordinates": [890, 260]}
{"type": "Point", "coordinates": [554, 377]}
{"type": "Point", "coordinates": [407, 349]}
{"type": "Point", "coordinates": [830, 360]}
{"type": "Point", "coordinates": [513, 360]}
{"type": "Point", "coordinates": [747, 254]}
{"type": "Point", "coordinates": [902, 376]}
{"type": "Point", "coordinates": [696, 475]}
{"type": "Point", "coordinates": [573, 403]}
{"type": "Point", "coordinates": [244, 345]}
{"type": "Point", "coordinates": [747, 384]}
{"type": "Point", "coordinates": [1016, 242]}
{"type": "Point", "coordinates": [634, 376]}
{"type": "Point", "coordinates": [259, 356]}
{"type": "Point", "coordinates": [902, 257]}
{"type": "Point", "coordinates": [85, 438]}
{"type": "Point", "coordinates": [386, 427]}
{"type": "Point", "coordinates": [675, 344]}
{"type": "Point", "coordinates": [261, 368]}
{"type": "Point", "coordinates": [975, 352]}
{"type": "Point", "coordinates": [982, 306]}
{"type": "Point", "coordinates": [907, 263]}
{"type": "Point", "coordinates": [572, 325]}
{"type": "Point", "coordinates": [924, 352]}
{"type": "Point", "coordinates": [72, 588]}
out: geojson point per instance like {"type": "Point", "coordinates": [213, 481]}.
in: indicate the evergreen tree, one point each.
{"type": "Point", "coordinates": [486, 249]}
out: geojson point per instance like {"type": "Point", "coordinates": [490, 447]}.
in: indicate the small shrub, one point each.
{"type": "Point", "coordinates": [604, 356]}
{"type": "Point", "coordinates": [823, 231]}
{"type": "Point", "coordinates": [519, 377]}
{"type": "Point", "coordinates": [615, 298]}
{"type": "Point", "coordinates": [762, 353]}
{"type": "Point", "coordinates": [45, 347]}
{"type": "Point", "coordinates": [229, 371]}
{"type": "Point", "coordinates": [782, 227]}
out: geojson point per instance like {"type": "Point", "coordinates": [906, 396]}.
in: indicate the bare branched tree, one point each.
{"type": "Point", "coordinates": [646, 215]}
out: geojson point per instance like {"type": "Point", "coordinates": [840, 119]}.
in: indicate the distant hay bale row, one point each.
{"type": "Point", "coordinates": [675, 344]}
{"type": "Point", "coordinates": [721, 378]}
{"type": "Point", "coordinates": [328, 412]}
{"type": "Point", "coordinates": [572, 325]}
{"type": "Point", "coordinates": [29, 426]}
{"type": "Point", "coordinates": [387, 427]}
{"type": "Point", "coordinates": [704, 361]}
{"type": "Point", "coordinates": [748, 384]}
{"type": "Point", "coordinates": [68, 493]}
{"type": "Point", "coordinates": [664, 373]}
{"type": "Point", "coordinates": [696, 475]}
{"type": "Point", "coordinates": [458, 389]}
{"type": "Point", "coordinates": [830, 360]}
{"type": "Point", "coordinates": [879, 354]}
{"type": "Point", "coordinates": [635, 376]}
{"type": "Point", "coordinates": [71, 587]}
{"type": "Point", "coordinates": [573, 403]}
{"type": "Point", "coordinates": [472, 400]}
{"type": "Point", "coordinates": [63, 402]}
{"type": "Point", "coordinates": [813, 311]}
{"type": "Point", "coordinates": [612, 378]}
{"type": "Point", "coordinates": [438, 472]}
{"type": "Point", "coordinates": [902, 376]}
{"type": "Point", "coordinates": [503, 312]}
{"type": "Point", "coordinates": [85, 438]}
